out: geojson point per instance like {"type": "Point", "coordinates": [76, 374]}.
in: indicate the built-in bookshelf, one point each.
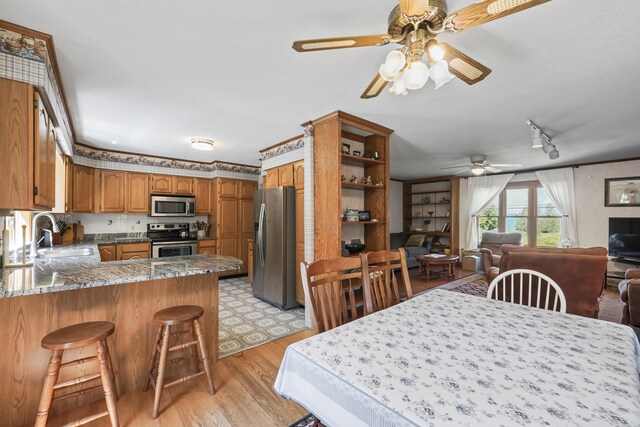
{"type": "Point", "coordinates": [431, 208]}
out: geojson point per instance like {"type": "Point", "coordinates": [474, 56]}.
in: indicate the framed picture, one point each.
{"type": "Point", "coordinates": [346, 148]}
{"type": "Point", "coordinates": [356, 153]}
{"type": "Point", "coordinates": [364, 216]}
{"type": "Point", "coordinates": [622, 191]}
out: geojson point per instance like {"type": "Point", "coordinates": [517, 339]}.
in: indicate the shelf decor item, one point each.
{"type": "Point", "coordinates": [346, 148]}
{"type": "Point", "coordinates": [351, 215]}
{"type": "Point", "coordinates": [355, 247]}
{"type": "Point", "coordinates": [426, 198]}
{"type": "Point", "coordinates": [354, 179]}
{"type": "Point", "coordinates": [356, 153]}
{"type": "Point", "coordinates": [364, 215]}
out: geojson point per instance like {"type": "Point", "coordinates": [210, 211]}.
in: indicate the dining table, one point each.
{"type": "Point", "coordinates": [445, 358]}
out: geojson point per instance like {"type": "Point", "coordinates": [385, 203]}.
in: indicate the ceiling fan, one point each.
{"type": "Point", "coordinates": [479, 166]}
{"type": "Point", "coordinates": [415, 24]}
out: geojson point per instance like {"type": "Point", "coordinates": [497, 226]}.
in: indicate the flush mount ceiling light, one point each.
{"type": "Point", "coordinates": [202, 144]}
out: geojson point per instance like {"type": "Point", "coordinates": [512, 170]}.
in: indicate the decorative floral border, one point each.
{"type": "Point", "coordinates": [18, 44]}
{"type": "Point", "coordinates": [281, 149]}
{"type": "Point", "coordinates": [146, 160]}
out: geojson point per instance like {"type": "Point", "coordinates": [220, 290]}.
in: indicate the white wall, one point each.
{"type": "Point", "coordinates": [395, 206]}
{"type": "Point", "coordinates": [593, 216]}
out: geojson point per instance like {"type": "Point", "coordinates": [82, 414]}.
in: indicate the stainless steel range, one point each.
{"type": "Point", "coordinates": [171, 240]}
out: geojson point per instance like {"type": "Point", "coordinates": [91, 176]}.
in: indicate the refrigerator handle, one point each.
{"type": "Point", "coordinates": [260, 239]}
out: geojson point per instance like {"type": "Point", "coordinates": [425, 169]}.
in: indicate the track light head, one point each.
{"type": "Point", "coordinates": [555, 154]}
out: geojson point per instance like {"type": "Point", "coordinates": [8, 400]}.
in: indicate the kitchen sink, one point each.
{"type": "Point", "coordinates": [63, 252]}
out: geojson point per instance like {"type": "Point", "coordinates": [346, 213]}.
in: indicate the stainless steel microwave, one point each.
{"type": "Point", "coordinates": [173, 205]}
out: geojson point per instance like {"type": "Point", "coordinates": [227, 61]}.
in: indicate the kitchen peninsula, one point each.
{"type": "Point", "coordinates": [60, 291]}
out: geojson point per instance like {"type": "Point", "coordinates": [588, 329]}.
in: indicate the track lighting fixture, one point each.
{"type": "Point", "coordinates": [540, 140]}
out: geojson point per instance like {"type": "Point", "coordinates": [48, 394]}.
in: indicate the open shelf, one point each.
{"type": "Point", "coordinates": [363, 222]}
{"type": "Point", "coordinates": [428, 217]}
{"type": "Point", "coordinates": [349, 159]}
{"type": "Point", "coordinates": [428, 204]}
{"type": "Point", "coordinates": [362, 186]}
{"type": "Point", "coordinates": [431, 233]}
{"type": "Point", "coordinates": [431, 192]}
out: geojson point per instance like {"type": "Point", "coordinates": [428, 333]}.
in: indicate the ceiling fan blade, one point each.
{"type": "Point", "coordinates": [413, 7]}
{"type": "Point", "coordinates": [465, 68]}
{"type": "Point", "coordinates": [463, 172]}
{"type": "Point", "coordinates": [457, 167]}
{"type": "Point", "coordinates": [492, 169]}
{"type": "Point", "coordinates": [341, 42]}
{"type": "Point", "coordinates": [374, 88]}
{"type": "Point", "coordinates": [485, 11]}
{"type": "Point", "coordinates": [506, 165]}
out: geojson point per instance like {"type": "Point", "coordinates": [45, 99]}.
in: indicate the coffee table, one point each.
{"type": "Point", "coordinates": [427, 263]}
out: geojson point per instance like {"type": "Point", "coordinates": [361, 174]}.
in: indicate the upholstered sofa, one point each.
{"type": "Point", "coordinates": [630, 295]}
{"type": "Point", "coordinates": [580, 272]}
{"type": "Point", "coordinates": [399, 240]}
{"type": "Point", "coordinates": [491, 243]}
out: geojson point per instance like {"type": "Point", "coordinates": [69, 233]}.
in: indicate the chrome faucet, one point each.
{"type": "Point", "coordinates": [33, 251]}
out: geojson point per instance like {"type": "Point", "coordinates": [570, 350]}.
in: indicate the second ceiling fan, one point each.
{"type": "Point", "coordinates": [415, 24]}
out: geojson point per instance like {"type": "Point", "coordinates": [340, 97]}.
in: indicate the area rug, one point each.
{"type": "Point", "coordinates": [247, 322]}
{"type": "Point", "coordinates": [610, 307]}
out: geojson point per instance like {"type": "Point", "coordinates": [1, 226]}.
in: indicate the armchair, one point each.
{"type": "Point", "coordinates": [580, 272]}
{"type": "Point", "coordinates": [630, 295]}
{"type": "Point", "coordinates": [490, 247]}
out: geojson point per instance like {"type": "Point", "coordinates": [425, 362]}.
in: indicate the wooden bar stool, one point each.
{"type": "Point", "coordinates": [174, 316]}
{"type": "Point", "coordinates": [76, 336]}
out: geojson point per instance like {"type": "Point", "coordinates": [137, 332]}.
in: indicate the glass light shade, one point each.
{"type": "Point", "coordinates": [395, 61]}
{"type": "Point", "coordinates": [477, 171]}
{"type": "Point", "coordinates": [436, 52]}
{"type": "Point", "coordinates": [399, 87]}
{"type": "Point", "coordinates": [440, 74]}
{"type": "Point", "coordinates": [387, 73]}
{"type": "Point", "coordinates": [202, 144]}
{"type": "Point", "coordinates": [416, 75]}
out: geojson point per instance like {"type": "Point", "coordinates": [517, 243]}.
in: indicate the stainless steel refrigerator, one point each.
{"type": "Point", "coordinates": [274, 257]}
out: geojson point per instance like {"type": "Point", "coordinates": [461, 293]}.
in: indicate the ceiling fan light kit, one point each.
{"type": "Point", "coordinates": [415, 24]}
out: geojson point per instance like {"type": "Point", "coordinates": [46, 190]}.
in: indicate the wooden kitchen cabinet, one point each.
{"type": "Point", "coordinates": [161, 184]}
{"type": "Point", "coordinates": [112, 192]}
{"type": "Point", "coordinates": [206, 247]}
{"type": "Point", "coordinates": [203, 195]}
{"type": "Point", "coordinates": [107, 252]}
{"type": "Point", "coordinates": [27, 147]}
{"type": "Point", "coordinates": [133, 251]}
{"type": "Point", "coordinates": [68, 184]}
{"type": "Point", "coordinates": [273, 179]}
{"type": "Point", "coordinates": [137, 193]}
{"type": "Point", "coordinates": [183, 185]}
{"type": "Point", "coordinates": [285, 175]}
{"type": "Point", "coordinates": [233, 218]}
{"type": "Point", "coordinates": [83, 189]}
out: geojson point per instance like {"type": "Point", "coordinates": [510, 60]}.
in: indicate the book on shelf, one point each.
{"type": "Point", "coordinates": [446, 227]}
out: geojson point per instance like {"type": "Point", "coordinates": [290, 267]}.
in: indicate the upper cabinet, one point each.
{"type": "Point", "coordinates": [27, 149]}
{"type": "Point", "coordinates": [83, 189]}
{"type": "Point", "coordinates": [182, 185]}
{"type": "Point", "coordinates": [285, 175]}
{"type": "Point", "coordinates": [247, 188]}
{"type": "Point", "coordinates": [112, 192]}
{"type": "Point", "coordinates": [227, 187]}
{"type": "Point", "coordinates": [202, 190]}
{"type": "Point", "coordinates": [161, 184]}
{"type": "Point", "coordinates": [137, 193]}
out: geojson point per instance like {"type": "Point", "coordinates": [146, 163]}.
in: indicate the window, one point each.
{"type": "Point", "coordinates": [524, 207]}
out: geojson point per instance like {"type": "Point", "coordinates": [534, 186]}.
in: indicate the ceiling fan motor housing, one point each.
{"type": "Point", "coordinates": [399, 24]}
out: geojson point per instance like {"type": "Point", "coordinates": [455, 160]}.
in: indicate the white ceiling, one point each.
{"type": "Point", "coordinates": [148, 74]}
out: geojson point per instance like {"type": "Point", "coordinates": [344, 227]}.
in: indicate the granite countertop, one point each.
{"type": "Point", "coordinates": [79, 272]}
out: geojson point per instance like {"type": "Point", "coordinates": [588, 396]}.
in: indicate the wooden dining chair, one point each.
{"type": "Point", "coordinates": [337, 290]}
{"type": "Point", "coordinates": [528, 287]}
{"type": "Point", "coordinates": [382, 267]}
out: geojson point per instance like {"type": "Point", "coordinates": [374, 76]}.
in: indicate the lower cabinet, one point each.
{"type": "Point", "coordinates": [124, 251]}
{"type": "Point", "coordinates": [207, 247]}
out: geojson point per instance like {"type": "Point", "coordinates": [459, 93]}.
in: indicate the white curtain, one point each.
{"type": "Point", "coordinates": [560, 186]}
{"type": "Point", "coordinates": [482, 190]}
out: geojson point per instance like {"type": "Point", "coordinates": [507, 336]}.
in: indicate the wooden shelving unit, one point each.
{"type": "Point", "coordinates": [416, 209]}
{"type": "Point", "coordinates": [329, 132]}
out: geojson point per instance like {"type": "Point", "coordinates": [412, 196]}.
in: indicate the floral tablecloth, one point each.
{"type": "Point", "coordinates": [450, 359]}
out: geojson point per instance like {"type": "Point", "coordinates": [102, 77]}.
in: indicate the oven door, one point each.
{"type": "Point", "coordinates": [163, 250]}
{"type": "Point", "coordinates": [172, 206]}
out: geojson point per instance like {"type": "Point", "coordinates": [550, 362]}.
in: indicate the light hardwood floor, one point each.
{"type": "Point", "coordinates": [244, 396]}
